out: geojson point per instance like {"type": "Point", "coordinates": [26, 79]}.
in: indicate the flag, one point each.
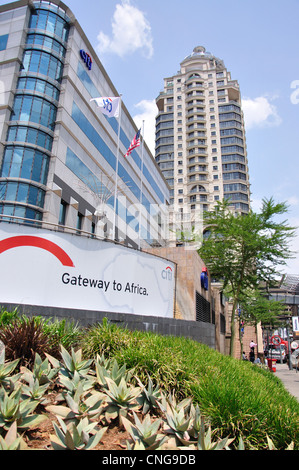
{"type": "Point", "coordinates": [108, 105]}
{"type": "Point", "coordinates": [135, 143]}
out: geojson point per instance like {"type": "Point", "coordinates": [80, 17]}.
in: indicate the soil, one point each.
{"type": "Point", "coordinates": [38, 438]}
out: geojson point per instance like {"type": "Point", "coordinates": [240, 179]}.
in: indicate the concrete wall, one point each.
{"type": "Point", "coordinates": [198, 331]}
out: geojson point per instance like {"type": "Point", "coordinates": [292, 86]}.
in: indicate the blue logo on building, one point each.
{"type": "Point", "coordinates": [86, 58]}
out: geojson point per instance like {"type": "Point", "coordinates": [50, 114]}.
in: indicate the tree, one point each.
{"type": "Point", "coordinates": [257, 308]}
{"type": "Point", "coordinates": [244, 250]}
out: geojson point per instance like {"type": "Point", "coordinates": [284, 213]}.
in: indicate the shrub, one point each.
{"type": "Point", "coordinates": [25, 337]}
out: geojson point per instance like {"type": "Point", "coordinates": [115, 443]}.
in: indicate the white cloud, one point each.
{"type": "Point", "coordinates": [130, 32]}
{"type": "Point", "coordinates": [260, 112]}
{"type": "Point", "coordinates": [147, 112]}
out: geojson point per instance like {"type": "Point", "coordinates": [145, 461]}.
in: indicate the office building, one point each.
{"type": "Point", "coordinates": [200, 139]}
{"type": "Point", "coordinates": [59, 152]}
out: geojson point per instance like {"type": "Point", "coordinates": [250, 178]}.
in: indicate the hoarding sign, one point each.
{"type": "Point", "coordinates": [47, 268]}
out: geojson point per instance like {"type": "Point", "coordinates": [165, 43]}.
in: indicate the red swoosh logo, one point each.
{"type": "Point", "coordinates": [27, 240]}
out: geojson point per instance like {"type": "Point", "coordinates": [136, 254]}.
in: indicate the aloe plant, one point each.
{"type": "Point", "coordinates": [33, 389]}
{"type": "Point", "coordinates": [179, 418]}
{"type": "Point", "coordinates": [84, 436]}
{"type": "Point", "coordinates": [149, 396]}
{"type": "Point", "coordinates": [12, 441]}
{"type": "Point", "coordinates": [41, 370]}
{"type": "Point", "coordinates": [6, 369]}
{"type": "Point", "coordinates": [110, 368]}
{"type": "Point", "coordinates": [145, 434]}
{"type": "Point", "coordinates": [13, 408]}
{"type": "Point", "coordinates": [79, 406]}
{"type": "Point", "coordinates": [121, 399]}
{"type": "Point", "coordinates": [71, 363]}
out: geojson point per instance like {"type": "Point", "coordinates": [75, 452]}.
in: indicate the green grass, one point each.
{"type": "Point", "coordinates": [240, 398]}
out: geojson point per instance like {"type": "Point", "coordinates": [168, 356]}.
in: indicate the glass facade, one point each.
{"type": "Point", "coordinates": [27, 152]}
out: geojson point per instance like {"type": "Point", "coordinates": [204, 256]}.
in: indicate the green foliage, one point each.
{"type": "Point", "coordinates": [6, 369]}
{"type": "Point", "coordinates": [12, 441]}
{"type": "Point", "coordinates": [239, 398]}
{"type": "Point", "coordinates": [23, 338]}
{"type": "Point", "coordinates": [145, 433]}
{"type": "Point", "coordinates": [242, 251]}
{"type": "Point", "coordinates": [71, 363]}
{"type": "Point", "coordinates": [72, 437]}
{"type": "Point", "coordinates": [7, 317]}
{"type": "Point", "coordinates": [14, 409]}
{"type": "Point", "coordinates": [223, 403]}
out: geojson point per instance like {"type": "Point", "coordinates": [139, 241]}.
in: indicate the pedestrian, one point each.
{"type": "Point", "coordinates": [252, 344]}
{"type": "Point", "coordinates": [251, 355]}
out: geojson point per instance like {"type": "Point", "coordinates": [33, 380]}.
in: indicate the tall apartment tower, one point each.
{"type": "Point", "coordinates": [200, 139]}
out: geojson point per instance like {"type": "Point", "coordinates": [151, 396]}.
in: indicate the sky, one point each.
{"type": "Point", "coordinates": [141, 42]}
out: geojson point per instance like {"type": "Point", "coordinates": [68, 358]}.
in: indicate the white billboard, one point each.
{"type": "Point", "coordinates": [54, 269]}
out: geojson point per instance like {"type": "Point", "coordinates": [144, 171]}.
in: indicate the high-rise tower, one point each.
{"type": "Point", "coordinates": [200, 138]}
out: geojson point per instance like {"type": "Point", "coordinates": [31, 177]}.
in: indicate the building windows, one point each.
{"type": "Point", "coordinates": [62, 213]}
{"type": "Point", "coordinates": [3, 42]}
{"type": "Point", "coordinates": [79, 222]}
{"type": "Point", "coordinates": [26, 163]}
{"type": "Point", "coordinates": [34, 109]}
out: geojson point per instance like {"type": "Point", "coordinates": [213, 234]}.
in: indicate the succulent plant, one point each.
{"type": "Point", "coordinates": [110, 368]}
{"type": "Point", "coordinates": [41, 370]}
{"type": "Point", "coordinates": [71, 363]}
{"type": "Point", "coordinates": [82, 436]}
{"type": "Point", "coordinates": [121, 399]}
{"type": "Point", "coordinates": [12, 441]}
{"type": "Point", "coordinates": [149, 396]}
{"type": "Point", "coordinates": [145, 434]}
{"type": "Point", "coordinates": [13, 408]}
{"type": "Point", "coordinates": [6, 368]}
{"type": "Point", "coordinates": [79, 406]}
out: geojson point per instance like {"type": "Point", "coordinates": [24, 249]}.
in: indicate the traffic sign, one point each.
{"type": "Point", "coordinates": [276, 339]}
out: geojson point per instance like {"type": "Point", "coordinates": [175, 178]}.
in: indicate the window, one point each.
{"type": "Point", "coordinates": [62, 213]}
{"type": "Point", "coordinates": [3, 42]}
{"type": "Point", "coordinates": [27, 163]}
{"type": "Point", "coordinates": [79, 221]}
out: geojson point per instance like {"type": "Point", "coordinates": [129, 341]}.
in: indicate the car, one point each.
{"type": "Point", "coordinates": [277, 352]}
{"type": "Point", "coordinates": [295, 359]}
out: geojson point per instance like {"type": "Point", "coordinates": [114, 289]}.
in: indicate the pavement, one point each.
{"type": "Point", "coordinates": [290, 378]}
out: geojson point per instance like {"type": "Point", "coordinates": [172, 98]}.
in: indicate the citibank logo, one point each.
{"type": "Point", "coordinates": [86, 58]}
{"type": "Point", "coordinates": [38, 242]}
{"type": "Point", "coordinates": [167, 273]}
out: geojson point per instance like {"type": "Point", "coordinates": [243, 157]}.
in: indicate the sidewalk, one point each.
{"type": "Point", "coordinates": [290, 378]}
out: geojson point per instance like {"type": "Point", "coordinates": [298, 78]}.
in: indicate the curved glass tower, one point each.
{"type": "Point", "coordinates": [29, 140]}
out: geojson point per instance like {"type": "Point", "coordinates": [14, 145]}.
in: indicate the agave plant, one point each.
{"type": "Point", "coordinates": [110, 368]}
{"type": "Point", "coordinates": [205, 440]}
{"type": "Point", "coordinates": [6, 369]}
{"type": "Point", "coordinates": [33, 389]}
{"type": "Point", "coordinates": [179, 419]}
{"type": "Point", "coordinates": [13, 408]}
{"type": "Point", "coordinates": [82, 436]}
{"type": "Point", "coordinates": [71, 363]}
{"type": "Point", "coordinates": [80, 406]}
{"type": "Point", "coordinates": [12, 441]}
{"type": "Point", "coordinates": [149, 396]}
{"type": "Point", "coordinates": [145, 434]}
{"type": "Point", "coordinates": [71, 385]}
{"type": "Point", "coordinates": [41, 371]}
{"type": "Point", "coordinates": [121, 399]}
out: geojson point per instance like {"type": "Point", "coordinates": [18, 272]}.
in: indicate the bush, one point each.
{"type": "Point", "coordinates": [24, 337]}
{"type": "Point", "coordinates": [240, 398]}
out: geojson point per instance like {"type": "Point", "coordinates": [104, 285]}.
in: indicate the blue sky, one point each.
{"type": "Point", "coordinates": [140, 42]}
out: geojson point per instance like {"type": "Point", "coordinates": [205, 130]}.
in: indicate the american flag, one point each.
{"type": "Point", "coordinates": [135, 143]}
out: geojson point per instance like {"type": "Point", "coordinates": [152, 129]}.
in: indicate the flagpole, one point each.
{"type": "Point", "coordinates": [141, 187]}
{"type": "Point", "coordinates": [116, 170]}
